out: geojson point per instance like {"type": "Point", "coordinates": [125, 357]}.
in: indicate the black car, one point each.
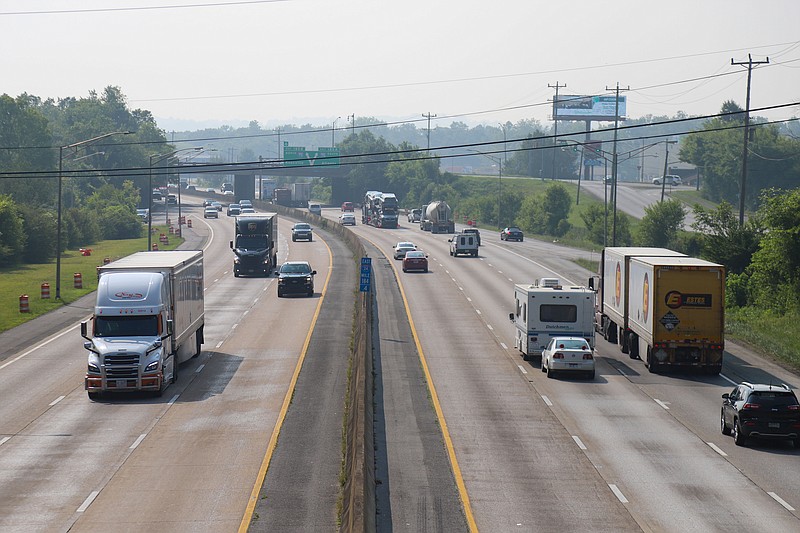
{"type": "Point", "coordinates": [473, 231]}
{"type": "Point", "coordinates": [296, 277]}
{"type": "Point", "coordinates": [512, 233]}
{"type": "Point", "coordinates": [302, 231]}
{"type": "Point", "coordinates": [760, 411]}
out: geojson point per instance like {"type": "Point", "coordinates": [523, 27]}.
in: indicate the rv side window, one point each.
{"type": "Point", "coordinates": [518, 308]}
{"type": "Point", "coordinates": [558, 313]}
{"type": "Point", "coordinates": [524, 312]}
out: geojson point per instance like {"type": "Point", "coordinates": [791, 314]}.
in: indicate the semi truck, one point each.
{"type": "Point", "coordinates": [545, 309]}
{"type": "Point", "coordinates": [282, 196]}
{"type": "Point", "coordinates": [675, 308]}
{"type": "Point", "coordinates": [438, 218]}
{"type": "Point", "coordinates": [611, 314]}
{"type": "Point", "coordinates": [255, 244]}
{"type": "Point", "coordinates": [380, 209]}
{"type": "Point", "coordinates": [148, 319]}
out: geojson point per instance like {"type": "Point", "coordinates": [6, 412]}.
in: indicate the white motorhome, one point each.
{"type": "Point", "coordinates": [148, 318]}
{"type": "Point", "coordinates": [546, 309]}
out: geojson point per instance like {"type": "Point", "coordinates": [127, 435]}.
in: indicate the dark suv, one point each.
{"type": "Point", "coordinates": [760, 411]}
{"type": "Point", "coordinates": [296, 277]}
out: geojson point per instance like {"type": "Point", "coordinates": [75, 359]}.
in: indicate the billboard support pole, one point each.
{"type": "Point", "coordinates": [555, 124]}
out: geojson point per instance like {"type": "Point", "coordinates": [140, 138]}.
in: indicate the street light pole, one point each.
{"type": "Point", "coordinates": [73, 146]}
{"type": "Point", "coordinates": [333, 132]}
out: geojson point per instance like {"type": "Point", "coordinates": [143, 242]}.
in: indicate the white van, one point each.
{"type": "Point", "coordinates": [464, 244]}
{"type": "Point", "coordinates": [315, 208]}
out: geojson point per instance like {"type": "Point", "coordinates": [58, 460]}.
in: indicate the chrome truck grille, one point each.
{"type": "Point", "coordinates": [122, 365]}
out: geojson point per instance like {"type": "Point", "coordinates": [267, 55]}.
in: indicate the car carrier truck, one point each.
{"type": "Point", "coordinates": [546, 309]}
{"type": "Point", "coordinates": [255, 246]}
{"type": "Point", "coordinates": [380, 209]}
{"type": "Point", "coordinates": [148, 318]}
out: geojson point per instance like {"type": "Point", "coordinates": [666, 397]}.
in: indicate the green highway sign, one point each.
{"type": "Point", "coordinates": [298, 156]}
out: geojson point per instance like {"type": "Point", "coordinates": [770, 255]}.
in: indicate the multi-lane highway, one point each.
{"type": "Point", "coordinates": [629, 450]}
{"type": "Point", "coordinates": [467, 435]}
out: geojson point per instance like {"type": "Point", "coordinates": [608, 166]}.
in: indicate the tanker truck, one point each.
{"type": "Point", "coordinates": [438, 218]}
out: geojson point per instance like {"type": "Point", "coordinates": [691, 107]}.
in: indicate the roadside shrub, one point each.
{"type": "Point", "coordinates": [120, 222]}
{"type": "Point", "coordinates": [12, 234]}
{"type": "Point", "coordinates": [40, 228]}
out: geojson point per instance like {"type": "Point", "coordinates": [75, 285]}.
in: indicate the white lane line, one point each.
{"type": "Point", "coordinates": [618, 493]}
{"type": "Point", "coordinates": [469, 299]}
{"type": "Point", "coordinates": [499, 271]}
{"type": "Point", "coordinates": [461, 289]}
{"type": "Point", "coordinates": [478, 311]}
{"type": "Point", "coordinates": [4, 440]}
{"type": "Point", "coordinates": [235, 326]}
{"type": "Point", "coordinates": [662, 404]}
{"type": "Point", "coordinates": [138, 441]}
{"type": "Point", "coordinates": [216, 280]}
{"type": "Point", "coordinates": [245, 313]}
{"type": "Point", "coordinates": [57, 400]}
{"type": "Point", "coordinates": [255, 301]}
{"type": "Point", "coordinates": [522, 369]}
{"type": "Point", "coordinates": [728, 379]}
{"type": "Point", "coordinates": [173, 399]}
{"type": "Point", "coordinates": [88, 501]}
{"type": "Point", "coordinates": [264, 289]}
{"type": "Point", "coordinates": [511, 280]}
{"type": "Point", "coordinates": [717, 449]}
{"type": "Point", "coordinates": [218, 345]}
{"type": "Point", "coordinates": [226, 272]}
{"type": "Point", "coordinates": [45, 343]}
{"type": "Point", "coordinates": [578, 441]}
{"type": "Point", "coordinates": [490, 327]}
{"type": "Point", "coordinates": [446, 271]}
{"type": "Point", "coordinates": [489, 264]}
{"type": "Point", "coordinates": [200, 368]}
{"type": "Point", "coordinates": [504, 345]}
{"type": "Point", "coordinates": [205, 289]}
{"type": "Point", "coordinates": [547, 401]}
{"type": "Point", "coordinates": [781, 501]}
{"type": "Point", "coordinates": [621, 372]}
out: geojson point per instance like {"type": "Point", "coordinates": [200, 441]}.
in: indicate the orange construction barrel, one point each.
{"type": "Point", "coordinates": [77, 280]}
{"type": "Point", "coordinates": [45, 291]}
{"type": "Point", "coordinates": [23, 304]}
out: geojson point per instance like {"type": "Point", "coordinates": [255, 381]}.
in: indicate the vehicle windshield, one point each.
{"type": "Point", "coordinates": [126, 326]}
{"type": "Point", "coordinates": [514, 228]}
{"type": "Point", "coordinates": [572, 344]}
{"type": "Point", "coordinates": [295, 269]}
{"type": "Point", "coordinates": [250, 242]}
{"type": "Point", "coordinates": [302, 226]}
{"type": "Point", "coordinates": [772, 398]}
{"type": "Point", "coordinates": [414, 255]}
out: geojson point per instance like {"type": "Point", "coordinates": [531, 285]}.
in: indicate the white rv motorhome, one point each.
{"type": "Point", "coordinates": [546, 309]}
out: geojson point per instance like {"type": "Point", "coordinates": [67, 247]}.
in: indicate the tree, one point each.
{"type": "Point", "coordinates": [594, 217]}
{"type": "Point", "coordinates": [775, 270]}
{"type": "Point", "coordinates": [661, 224]}
{"type": "Point", "coordinates": [40, 228]}
{"type": "Point", "coordinates": [547, 213]}
{"type": "Point", "coordinates": [12, 234]}
{"type": "Point", "coordinates": [723, 240]}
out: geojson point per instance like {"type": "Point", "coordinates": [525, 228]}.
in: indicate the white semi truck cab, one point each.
{"type": "Point", "coordinates": [148, 318]}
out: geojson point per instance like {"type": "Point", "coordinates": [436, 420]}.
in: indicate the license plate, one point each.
{"type": "Point", "coordinates": [122, 383]}
{"type": "Point", "coordinates": [573, 364]}
{"type": "Point", "coordinates": [774, 425]}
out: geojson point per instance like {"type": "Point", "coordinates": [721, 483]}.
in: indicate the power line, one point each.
{"type": "Point", "coordinates": [137, 8]}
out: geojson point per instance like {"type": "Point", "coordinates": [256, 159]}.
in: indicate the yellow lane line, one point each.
{"type": "Point", "coordinates": [451, 452]}
{"type": "Point", "coordinates": [287, 399]}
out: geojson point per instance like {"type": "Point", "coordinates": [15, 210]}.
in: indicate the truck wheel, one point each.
{"type": "Point", "coordinates": [525, 356]}
{"type": "Point", "coordinates": [235, 273]}
{"type": "Point", "coordinates": [94, 396]}
{"type": "Point", "coordinates": [198, 343]}
{"type": "Point", "coordinates": [633, 345]}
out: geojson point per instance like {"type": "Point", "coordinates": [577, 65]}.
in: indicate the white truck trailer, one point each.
{"type": "Point", "coordinates": [148, 318]}
{"type": "Point", "coordinates": [546, 309]}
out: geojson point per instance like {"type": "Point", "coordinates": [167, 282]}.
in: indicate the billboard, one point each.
{"type": "Point", "coordinates": [576, 107]}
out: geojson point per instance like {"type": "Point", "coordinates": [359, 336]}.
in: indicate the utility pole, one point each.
{"type": "Point", "coordinates": [555, 125]}
{"type": "Point", "coordinates": [743, 180]}
{"type": "Point", "coordinates": [614, 162]}
{"type": "Point", "coordinates": [352, 119]}
{"type": "Point", "coordinates": [429, 116]}
{"type": "Point", "coordinates": [666, 162]}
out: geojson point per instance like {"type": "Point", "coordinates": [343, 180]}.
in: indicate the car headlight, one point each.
{"type": "Point", "coordinates": [308, 279]}
{"type": "Point", "coordinates": [152, 366]}
{"type": "Point", "coordinates": [93, 368]}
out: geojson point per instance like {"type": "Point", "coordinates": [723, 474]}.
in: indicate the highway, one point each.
{"type": "Point", "coordinates": [468, 436]}
{"type": "Point", "coordinates": [627, 451]}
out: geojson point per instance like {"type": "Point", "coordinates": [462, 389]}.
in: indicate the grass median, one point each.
{"type": "Point", "coordinates": [28, 279]}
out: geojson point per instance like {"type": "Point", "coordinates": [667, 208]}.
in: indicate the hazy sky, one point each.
{"type": "Point", "coordinates": [311, 61]}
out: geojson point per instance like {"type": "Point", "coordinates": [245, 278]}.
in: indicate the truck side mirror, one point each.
{"type": "Point", "coordinates": [84, 329]}
{"type": "Point", "coordinates": [170, 329]}
{"type": "Point", "coordinates": [591, 283]}
{"type": "Point", "coordinates": [230, 243]}
{"type": "Point", "coordinates": [511, 317]}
